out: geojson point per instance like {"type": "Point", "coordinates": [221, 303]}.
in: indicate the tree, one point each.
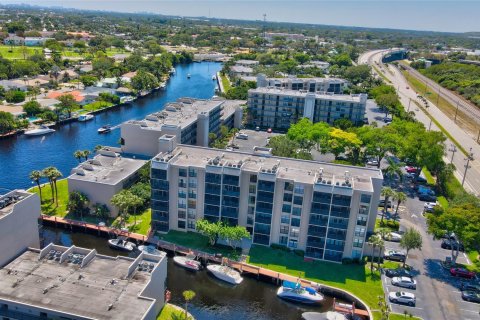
{"type": "Point", "coordinates": [88, 80]}
{"type": "Point", "coordinates": [85, 154]}
{"type": "Point", "coordinates": [375, 241]}
{"type": "Point", "coordinates": [15, 96]}
{"type": "Point", "coordinates": [101, 211]}
{"type": "Point", "coordinates": [400, 197]}
{"type": "Point", "coordinates": [35, 176]}
{"type": "Point", "coordinates": [32, 108]}
{"type": "Point", "coordinates": [52, 175]}
{"type": "Point", "coordinates": [234, 234]}
{"type": "Point", "coordinates": [387, 192]}
{"type": "Point", "coordinates": [55, 72]}
{"type": "Point", "coordinates": [210, 230]}
{"type": "Point", "coordinates": [78, 155]}
{"type": "Point", "coordinates": [67, 103]}
{"type": "Point", "coordinates": [144, 81]}
{"type": "Point", "coordinates": [135, 203]}
{"type": "Point", "coordinates": [188, 296]}
{"type": "Point", "coordinates": [394, 168]}
{"type": "Point", "coordinates": [77, 203]}
{"type": "Point", "coordinates": [412, 239]}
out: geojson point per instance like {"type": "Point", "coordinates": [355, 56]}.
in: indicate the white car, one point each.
{"type": "Point", "coordinates": [243, 136]}
{"type": "Point", "coordinates": [402, 297]}
{"type": "Point", "coordinates": [372, 162]}
{"type": "Point", "coordinates": [405, 282]}
{"type": "Point", "coordinates": [429, 206]}
{"type": "Point", "coordinates": [394, 237]}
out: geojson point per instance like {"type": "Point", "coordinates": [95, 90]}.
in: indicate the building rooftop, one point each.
{"type": "Point", "coordinates": [241, 69]}
{"type": "Point", "coordinates": [80, 282]}
{"type": "Point", "coordinates": [185, 112]}
{"type": "Point", "coordinates": [303, 93]}
{"type": "Point", "coordinates": [106, 167]}
{"type": "Point", "coordinates": [302, 171]}
{"type": "Point", "coordinates": [247, 62]}
{"type": "Point", "coordinates": [8, 201]}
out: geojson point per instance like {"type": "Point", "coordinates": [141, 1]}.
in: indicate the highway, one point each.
{"type": "Point", "coordinates": [408, 97]}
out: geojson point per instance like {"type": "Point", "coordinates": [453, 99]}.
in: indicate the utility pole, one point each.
{"type": "Point", "coordinates": [456, 110]}
{"type": "Point", "coordinates": [467, 165]}
{"type": "Point", "coordinates": [453, 149]}
{"type": "Point", "coordinates": [264, 29]}
{"type": "Point", "coordinates": [409, 102]}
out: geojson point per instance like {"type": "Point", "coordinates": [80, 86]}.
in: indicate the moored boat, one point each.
{"type": "Point", "coordinates": [121, 244]}
{"type": "Point", "coordinates": [295, 292]}
{"type": "Point", "coordinates": [187, 262]}
{"type": "Point", "coordinates": [225, 273]}
{"type": "Point", "coordinates": [188, 76]}
{"type": "Point", "coordinates": [85, 117]}
{"type": "Point", "coordinates": [214, 77]}
{"type": "Point", "coordinates": [39, 131]}
{"type": "Point", "coordinates": [105, 129]}
{"type": "Point", "coordinates": [150, 249]}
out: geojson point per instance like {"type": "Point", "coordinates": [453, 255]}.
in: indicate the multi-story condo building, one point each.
{"type": "Point", "coordinates": [190, 120]}
{"type": "Point", "coordinates": [75, 283]}
{"type": "Point", "coordinates": [318, 85]}
{"type": "Point", "coordinates": [325, 209]}
{"type": "Point", "coordinates": [280, 108]}
{"type": "Point", "coordinates": [19, 213]}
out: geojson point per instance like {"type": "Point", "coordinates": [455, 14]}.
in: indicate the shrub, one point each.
{"type": "Point", "coordinates": [279, 247]}
{"type": "Point", "coordinates": [15, 96]}
{"type": "Point", "coordinates": [299, 252]}
{"type": "Point", "coordinates": [32, 108]}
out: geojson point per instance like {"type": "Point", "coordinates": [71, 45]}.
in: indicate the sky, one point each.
{"type": "Point", "coordinates": [432, 15]}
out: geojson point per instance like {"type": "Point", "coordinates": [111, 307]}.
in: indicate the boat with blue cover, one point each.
{"type": "Point", "coordinates": [295, 292]}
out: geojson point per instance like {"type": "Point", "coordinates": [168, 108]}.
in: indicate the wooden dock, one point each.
{"type": "Point", "coordinates": [242, 267]}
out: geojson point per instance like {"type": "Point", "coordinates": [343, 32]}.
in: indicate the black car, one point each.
{"type": "Point", "coordinates": [471, 296]}
{"type": "Point", "coordinates": [399, 272]}
{"type": "Point", "coordinates": [381, 203]}
{"type": "Point", "coordinates": [448, 244]}
{"type": "Point", "coordinates": [470, 287]}
{"type": "Point", "coordinates": [427, 197]}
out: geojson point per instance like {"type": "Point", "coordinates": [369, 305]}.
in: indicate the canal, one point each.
{"type": "Point", "coordinates": [252, 299]}
{"type": "Point", "coordinates": [20, 155]}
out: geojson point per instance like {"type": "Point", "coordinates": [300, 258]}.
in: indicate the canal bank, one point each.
{"type": "Point", "coordinates": [19, 155]}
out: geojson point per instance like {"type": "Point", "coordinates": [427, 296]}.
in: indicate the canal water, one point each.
{"type": "Point", "coordinates": [22, 154]}
{"type": "Point", "coordinates": [251, 300]}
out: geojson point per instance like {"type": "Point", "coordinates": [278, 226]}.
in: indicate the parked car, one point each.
{"type": "Point", "coordinates": [394, 255]}
{"type": "Point", "coordinates": [387, 120]}
{"type": "Point", "coordinates": [429, 206]}
{"type": "Point", "coordinates": [257, 128]}
{"type": "Point", "coordinates": [405, 282]}
{"type": "Point", "coordinates": [242, 136]}
{"type": "Point", "coordinates": [269, 130]}
{"type": "Point", "coordinates": [410, 169]}
{"type": "Point", "coordinates": [425, 190]}
{"type": "Point", "coordinates": [449, 243]}
{"type": "Point", "coordinates": [402, 297]}
{"type": "Point", "coordinates": [393, 237]}
{"type": "Point", "coordinates": [381, 203]}
{"type": "Point", "coordinates": [463, 273]}
{"type": "Point", "coordinates": [471, 296]}
{"type": "Point", "coordinates": [372, 162]}
{"type": "Point", "coordinates": [470, 287]}
{"type": "Point", "coordinates": [399, 272]}
{"type": "Point", "coordinates": [427, 197]}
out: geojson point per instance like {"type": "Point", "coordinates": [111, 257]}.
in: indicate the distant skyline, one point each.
{"type": "Point", "coordinates": [429, 15]}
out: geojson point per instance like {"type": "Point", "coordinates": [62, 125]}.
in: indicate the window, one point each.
{"type": "Point", "coordinates": [192, 183]}
{"type": "Point", "coordinates": [285, 219]}
{"type": "Point", "coordinates": [191, 224]}
{"type": "Point", "coordinates": [286, 208]}
{"type": "Point", "coordinates": [363, 209]}
{"type": "Point", "coordinates": [252, 188]}
{"type": "Point", "coordinates": [294, 232]}
{"type": "Point", "coordinates": [283, 240]}
{"type": "Point", "coordinates": [250, 220]}
{"type": "Point", "coordinates": [192, 203]}
{"type": "Point", "coordinates": [292, 243]}
{"type": "Point", "coordinates": [182, 203]}
{"type": "Point", "coordinates": [182, 172]}
{"type": "Point", "coordinates": [284, 229]}
{"type": "Point", "coordinates": [359, 232]}
{"type": "Point", "coordinates": [192, 172]}
{"type": "Point", "coordinates": [181, 214]}
{"type": "Point", "coordinates": [365, 198]}
{"type": "Point", "coordinates": [298, 200]}
{"type": "Point", "coordinates": [297, 211]}
{"type": "Point", "coordinates": [299, 189]}
{"type": "Point", "coordinates": [295, 222]}
{"type": "Point", "coordinates": [357, 243]}
{"type": "Point", "coordinates": [251, 200]}
{"type": "Point", "coordinates": [361, 221]}
{"type": "Point", "coordinates": [253, 178]}
{"type": "Point", "coordinates": [288, 186]}
{"type": "Point", "coordinates": [287, 197]}
{"type": "Point", "coordinates": [181, 224]}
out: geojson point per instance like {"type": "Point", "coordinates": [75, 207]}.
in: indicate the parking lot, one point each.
{"type": "Point", "coordinates": [255, 139]}
{"type": "Point", "coordinates": [438, 294]}
{"type": "Point", "coordinates": [373, 113]}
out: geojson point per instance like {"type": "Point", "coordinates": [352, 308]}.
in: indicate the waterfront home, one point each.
{"type": "Point", "coordinates": [103, 176]}
{"type": "Point", "coordinates": [14, 85]}
{"type": "Point", "coordinates": [86, 68]}
{"type": "Point", "coordinates": [16, 111]}
{"type": "Point", "coordinates": [189, 120]}
{"type": "Point", "coordinates": [48, 103]}
{"type": "Point", "coordinates": [247, 63]}
{"type": "Point", "coordinates": [35, 41]}
{"type": "Point", "coordinates": [19, 211]}
{"type": "Point", "coordinates": [127, 77]}
{"type": "Point", "coordinates": [108, 83]}
{"type": "Point", "coordinates": [60, 282]}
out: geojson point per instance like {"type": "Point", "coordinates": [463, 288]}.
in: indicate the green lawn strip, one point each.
{"type": "Point", "coordinates": [473, 257]}
{"type": "Point", "coordinates": [197, 241]}
{"type": "Point", "coordinates": [354, 278]}
{"type": "Point", "coordinates": [387, 224]}
{"type": "Point", "coordinates": [97, 105]}
{"type": "Point", "coordinates": [428, 176]}
{"type": "Point", "coordinates": [443, 202]}
{"type": "Point", "coordinates": [381, 74]}
{"type": "Point", "coordinates": [170, 313]}
{"type": "Point", "coordinates": [50, 208]}
{"type": "Point", "coordinates": [16, 52]}
{"type": "Point", "coordinates": [225, 82]}
{"type": "Point", "coordinates": [394, 316]}
{"type": "Point", "coordinates": [143, 222]}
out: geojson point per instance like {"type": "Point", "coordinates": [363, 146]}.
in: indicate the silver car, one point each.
{"type": "Point", "coordinates": [402, 297]}
{"type": "Point", "coordinates": [405, 282]}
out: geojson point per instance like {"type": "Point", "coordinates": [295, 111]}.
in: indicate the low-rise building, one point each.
{"type": "Point", "coordinates": [75, 283]}
{"type": "Point", "coordinates": [320, 85]}
{"type": "Point", "coordinates": [14, 40]}
{"type": "Point", "coordinates": [247, 63]}
{"type": "Point", "coordinates": [270, 107]}
{"type": "Point", "coordinates": [19, 213]}
{"type": "Point", "coordinates": [190, 120]}
{"type": "Point", "coordinates": [35, 41]}
{"type": "Point", "coordinates": [103, 176]}
{"type": "Point", "coordinates": [240, 71]}
{"type": "Point", "coordinates": [325, 209]}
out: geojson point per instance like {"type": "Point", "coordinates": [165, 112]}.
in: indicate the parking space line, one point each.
{"type": "Point", "coordinates": [472, 311]}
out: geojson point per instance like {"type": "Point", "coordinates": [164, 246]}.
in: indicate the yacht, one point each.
{"type": "Point", "coordinates": [126, 99]}
{"type": "Point", "coordinates": [329, 315]}
{"type": "Point", "coordinates": [121, 244]}
{"type": "Point", "coordinates": [295, 292]}
{"type": "Point", "coordinates": [39, 131]}
{"type": "Point", "coordinates": [105, 129]}
{"type": "Point", "coordinates": [188, 76]}
{"type": "Point", "coordinates": [150, 249]}
{"type": "Point", "coordinates": [85, 117]}
{"type": "Point", "coordinates": [187, 262]}
{"type": "Point", "coordinates": [225, 273]}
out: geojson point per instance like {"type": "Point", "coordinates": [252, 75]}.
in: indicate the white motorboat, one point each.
{"type": "Point", "coordinates": [150, 249]}
{"type": "Point", "coordinates": [295, 292]}
{"type": "Point", "coordinates": [329, 315]}
{"type": "Point", "coordinates": [225, 273]}
{"type": "Point", "coordinates": [105, 129]}
{"type": "Point", "coordinates": [163, 85]}
{"type": "Point", "coordinates": [85, 117]}
{"type": "Point", "coordinates": [188, 262]}
{"type": "Point", "coordinates": [39, 131]}
{"type": "Point", "coordinates": [121, 244]}
{"type": "Point", "coordinates": [126, 99]}
{"type": "Point", "coordinates": [214, 77]}
{"type": "Point", "coordinates": [188, 76]}
{"type": "Point", "coordinates": [172, 70]}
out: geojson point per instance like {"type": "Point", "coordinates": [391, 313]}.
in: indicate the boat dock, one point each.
{"type": "Point", "coordinates": [243, 267]}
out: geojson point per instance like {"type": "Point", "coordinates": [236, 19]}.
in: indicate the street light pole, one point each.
{"type": "Point", "coordinates": [453, 149]}
{"type": "Point", "coordinates": [409, 102]}
{"type": "Point", "coordinates": [467, 165]}
{"type": "Point", "coordinates": [456, 111]}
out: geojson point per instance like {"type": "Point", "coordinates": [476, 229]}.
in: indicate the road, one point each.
{"type": "Point", "coordinates": [438, 294]}
{"type": "Point", "coordinates": [408, 97]}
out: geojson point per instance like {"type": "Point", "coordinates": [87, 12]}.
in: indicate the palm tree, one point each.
{"type": "Point", "coordinates": [376, 242]}
{"type": "Point", "coordinates": [387, 192]}
{"type": "Point", "coordinates": [35, 176]}
{"type": "Point", "coordinates": [393, 169]}
{"type": "Point", "coordinates": [85, 154]}
{"type": "Point", "coordinates": [400, 197]}
{"type": "Point", "coordinates": [121, 200]}
{"type": "Point", "coordinates": [188, 295]}
{"type": "Point", "coordinates": [55, 72]}
{"type": "Point", "coordinates": [55, 174]}
{"type": "Point", "coordinates": [97, 148]}
{"type": "Point", "coordinates": [78, 155]}
{"type": "Point", "coordinates": [47, 173]}
{"type": "Point", "coordinates": [135, 202]}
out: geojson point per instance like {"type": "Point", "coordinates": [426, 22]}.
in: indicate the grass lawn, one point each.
{"type": "Point", "coordinates": [50, 208]}
{"type": "Point", "coordinates": [226, 83]}
{"type": "Point", "coordinates": [388, 224]}
{"type": "Point", "coordinates": [96, 105]}
{"type": "Point", "coordinates": [354, 278]}
{"type": "Point", "coordinates": [198, 242]}
{"type": "Point", "coordinates": [17, 52]}
{"type": "Point", "coordinates": [428, 176]}
{"type": "Point", "coordinates": [170, 313]}
{"type": "Point", "coordinates": [143, 222]}
{"type": "Point", "coordinates": [443, 202]}
{"type": "Point", "coordinates": [394, 316]}
{"type": "Point", "coordinates": [473, 257]}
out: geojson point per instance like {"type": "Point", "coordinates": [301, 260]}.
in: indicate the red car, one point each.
{"type": "Point", "coordinates": [269, 130]}
{"type": "Point", "coordinates": [463, 273]}
{"type": "Point", "coordinates": [411, 169]}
